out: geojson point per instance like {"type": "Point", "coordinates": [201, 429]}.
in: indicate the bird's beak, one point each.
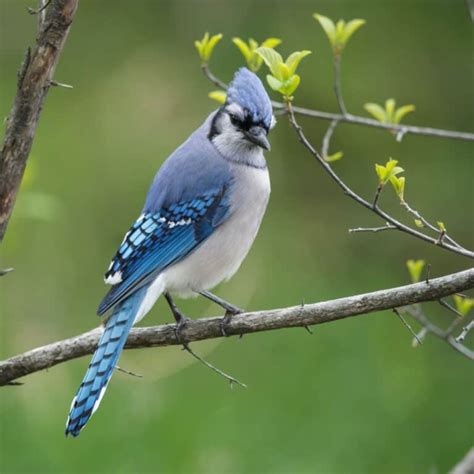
{"type": "Point", "coordinates": [258, 136]}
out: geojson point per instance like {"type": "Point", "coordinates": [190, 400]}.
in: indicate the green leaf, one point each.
{"type": "Point", "coordinates": [328, 26]}
{"type": "Point", "coordinates": [340, 25]}
{"type": "Point", "coordinates": [350, 29]}
{"type": "Point", "coordinates": [334, 157]}
{"type": "Point", "coordinates": [211, 45]}
{"type": "Point", "coordinates": [441, 226]}
{"type": "Point", "coordinates": [419, 223]}
{"type": "Point", "coordinates": [340, 32]}
{"type": "Point", "coordinates": [290, 85]}
{"type": "Point", "coordinates": [206, 46]}
{"type": "Point", "coordinates": [392, 167]}
{"type": "Point", "coordinates": [388, 171]}
{"type": "Point", "coordinates": [463, 305]}
{"type": "Point", "coordinates": [200, 44]}
{"type": "Point", "coordinates": [376, 111]}
{"type": "Point", "coordinates": [284, 71]}
{"type": "Point", "coordinates": [389, 114]}
{"type": "Point", "coordinates": [271, 43]}
{"type": "Point", "coordinates": [253, 45]}
{"type": "Point", "coordinates": [389, 110]}
{"type": "Point", "coordinates": [294, 59]}
{"type": "Point", "coordinates": [401, 112]}
{"type": "Point", "coordinates": [381, 172]}
{"type": "Point", "coordinates": [415, 267]}
{"type": "Point", "coordinates": [253, 59]}
{"type": "Point", "coordinates": [272, 60]}
{"type": "Point", "coordinates": [398, 185]}
{"type": "Point", "coordinates": [274, 83]}
{"type": "Point", "coordinates": [243, 48]}
{"type": "Point", "coordinates": [219, 96]}
{"type": "Point", "coordinates": [283, 78]}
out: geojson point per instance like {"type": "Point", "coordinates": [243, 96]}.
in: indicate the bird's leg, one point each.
{"type": "Point", "coordinates": [230, 309]}
{"type": "Point", "coordinates": [181, 320]}
{"type": "Point", "coordinates": [179, 317]}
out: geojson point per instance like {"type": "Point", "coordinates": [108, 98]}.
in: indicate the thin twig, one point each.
{"type": "Point", "coordinates": [281, 107]}
{"type": "Point", "coordinates": [405, 322]}
{"type": "Point", "coordinates": [228, 377]}
{"type": "Point", "coordinates": [327, 138]}
{"type": "Point", "coordinates": [450, 308]}
{"type": "Point", "coordinates": [465, 331]}
{"type": "Point", "coordinates": [426, 223]}
{"type": "Point", "coordinates": [372, 229]}
{"type": "Point", "coordinates": [128, 372]}
{"type": "Point", "coordinates": [368, 122]}
{"type": "Point", "coordinates": [215, 80]}
{"type": "Point", "coordinates": [61, 84]}
{"type": "Point", "coordinates": [337, 84]}
{"type": "Point", "coordinates": [371, 206]}
{"type": "Point", "coordinates": [400, 134]}
{"type": "Point", "coordinates": [419, 337]}
{"type": "Point", "coordinates": [4, 271]}
{"type": "Point", "coordinates": [427, 275]}
{"type": "Point", "coordinates": [416, 312]}
{"type": "Point", "coordinates": [208, 328]}
{"type": "Point", "coordinates": [42, 7]}
{"type": "Point", "coordinates": [377, 196]}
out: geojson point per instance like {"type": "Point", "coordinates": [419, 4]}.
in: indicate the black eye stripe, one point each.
{"type": "Point", "coordinates": [235, 120]}
{"type": "Point", "coordinates": [244, 124]}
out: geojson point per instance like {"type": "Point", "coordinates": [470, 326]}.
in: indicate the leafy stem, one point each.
{"type": "Point", "coordinates": [372, 206]}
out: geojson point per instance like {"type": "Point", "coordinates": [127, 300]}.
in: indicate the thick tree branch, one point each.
{"type": "Point", "coordinates": [210, 328]}
{"type": "Point", "coordinates": [34, 80]}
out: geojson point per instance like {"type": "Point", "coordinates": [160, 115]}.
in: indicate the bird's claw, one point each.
{"type": "Point", "coordinates": [180, 324]}
{"type": "Point", "coordinates": [230, 312]}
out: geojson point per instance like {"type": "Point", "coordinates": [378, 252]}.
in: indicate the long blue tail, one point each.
{"type": "Point", "coordinates": [103, 362]}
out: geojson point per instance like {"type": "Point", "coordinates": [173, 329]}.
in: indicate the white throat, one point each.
{"type": "Point", "coordinates": [233, 146]}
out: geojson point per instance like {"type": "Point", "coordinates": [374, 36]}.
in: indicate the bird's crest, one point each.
{"type": "Point", "coordinates": [247, 90]}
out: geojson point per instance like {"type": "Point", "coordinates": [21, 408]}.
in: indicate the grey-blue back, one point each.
{"type": "Point", "coordinates": [191, 170]}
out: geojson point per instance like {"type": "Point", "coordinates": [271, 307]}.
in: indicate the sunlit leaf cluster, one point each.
{"type": "Point", "coordinates": [388, 173]}
{"type": "Point", "coordinates": [283, 77]}
{"type": "Point", "coordinates": [389, 113]}
{"type": "Point", "coordinates": [338, 33]}
{"type": "Point", "coordinates": [206, 46]}
{"type": "Point", "coordinates": [249, 50]}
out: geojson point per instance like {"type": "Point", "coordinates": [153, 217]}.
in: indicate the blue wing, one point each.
{"type": "Point", "coordinates": [159, 239]}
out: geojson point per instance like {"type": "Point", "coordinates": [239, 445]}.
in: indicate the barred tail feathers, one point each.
{"type": "Point", "coordinates": [104, 360]}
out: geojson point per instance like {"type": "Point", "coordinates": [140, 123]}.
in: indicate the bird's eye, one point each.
{"type": "Point", "coordinates": [234, 119]}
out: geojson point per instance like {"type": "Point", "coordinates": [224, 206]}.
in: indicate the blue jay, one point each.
{"type": "Point", "coordinates": [200, 218]}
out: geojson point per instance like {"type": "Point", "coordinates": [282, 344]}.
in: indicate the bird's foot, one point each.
{"type": "Point", "coordinates": [181, 321]}
{"type": "Point", "coordinates": [179, 317]}
{"type": "Point", "coordinates": [230, 312]}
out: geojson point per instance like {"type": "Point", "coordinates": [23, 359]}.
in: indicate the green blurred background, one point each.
{"type": "Point", "coordinates": [353, 398]}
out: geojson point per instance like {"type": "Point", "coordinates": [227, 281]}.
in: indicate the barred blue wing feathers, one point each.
{"type": "Point", "coordinates": [157, 240]}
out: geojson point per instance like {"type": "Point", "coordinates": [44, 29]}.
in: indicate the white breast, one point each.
{"type": "Point", "coordinates": [219, 257]}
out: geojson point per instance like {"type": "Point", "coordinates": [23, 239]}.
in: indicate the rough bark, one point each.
{"type": "Point", "coordinates": [34, 79]}
{"type": "Point", "coordinates": [209, 328]}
